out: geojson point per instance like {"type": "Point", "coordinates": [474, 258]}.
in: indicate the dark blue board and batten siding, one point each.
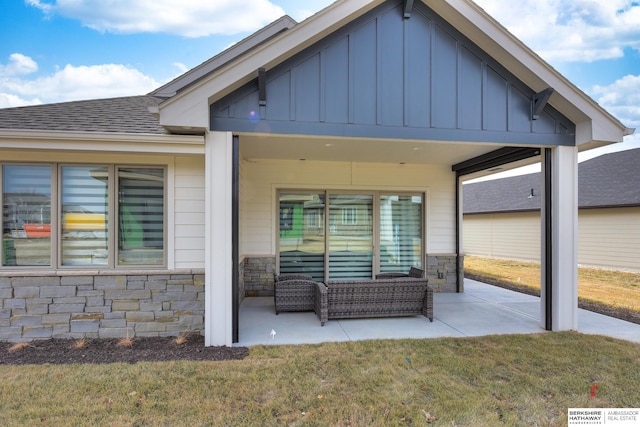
{"type": "Point", "coordinates": [384, 76]}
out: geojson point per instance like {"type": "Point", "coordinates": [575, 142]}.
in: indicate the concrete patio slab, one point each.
{"type": "Point", "coordinates": [481, 310]}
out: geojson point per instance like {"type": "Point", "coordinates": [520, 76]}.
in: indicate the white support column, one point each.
{"type": "Point", "coordinates": [218, 240]}
{"type": "Point", "coordinates": [564, 240]}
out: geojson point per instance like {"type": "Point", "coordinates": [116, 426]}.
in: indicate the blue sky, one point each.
{"type": "Point", "coordinates": [63, 50]}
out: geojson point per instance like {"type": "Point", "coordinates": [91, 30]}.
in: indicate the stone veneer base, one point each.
{"type": "Point", "coordinates": [101, 305]}
{"type": "Point", "coordinates": [442, 270]}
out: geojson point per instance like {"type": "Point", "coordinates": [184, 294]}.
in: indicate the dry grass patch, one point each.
{"type": "Point", "coordinates": [488, 381]}
{"type": "Point", "coordinates": [615, 288]}
{"type": "Point", "coordinates": [181, 339]}
{"type": "Point", "coordinates": [125, 342]}
{"type": "Point", "coordinates": [18, 346]}
{"type": "Point", "coordinates": [611, 288]}
{"type": "Point", "coordinates": [80, 343]}
{"type": "Point", "coordinates": [518, 273]}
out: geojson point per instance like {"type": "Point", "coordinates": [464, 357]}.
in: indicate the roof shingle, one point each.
{"type": "Point", "coordinates": [123, 115]}
{"type": "Point", "coordinates": [609, 180]}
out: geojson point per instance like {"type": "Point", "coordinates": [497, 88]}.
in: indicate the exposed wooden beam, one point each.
{"type": "Point", "coordinates": [540, 100]}
{"type": "Point", "coordinates": [408, 7]}
{"type": "Point", "coordinates": [262, 86]}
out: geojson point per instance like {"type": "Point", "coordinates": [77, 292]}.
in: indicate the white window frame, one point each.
{"type": "Point", "coordinates": [112, 242]}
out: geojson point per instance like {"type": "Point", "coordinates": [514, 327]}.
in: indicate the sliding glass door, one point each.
{"type": "Point", "coordinates": [350, 236]}
{"type": "Point", "coordinates": [302, 237]}
{"type": "Point", "coordinates": [367, 233]}
{"type": "Point", "coordinates": [400, 232]}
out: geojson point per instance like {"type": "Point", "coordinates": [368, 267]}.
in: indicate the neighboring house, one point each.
{"type": "Point", "coordinates": [335, 146]}
{"type": "Point", "coordinates": [502, 216]}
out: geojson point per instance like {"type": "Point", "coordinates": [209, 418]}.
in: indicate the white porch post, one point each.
{"type": "Point", "coordinates": [563, 245]}
{"type": "Point", "coordinates": [218, 240]}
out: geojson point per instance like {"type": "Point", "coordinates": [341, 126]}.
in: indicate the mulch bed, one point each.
{"type": "Point", "coordinates": [156, 349]}
{"type": "Point", "coordinates": [618, 313]}
{"type": "Point", "coordinates": [162, 349]}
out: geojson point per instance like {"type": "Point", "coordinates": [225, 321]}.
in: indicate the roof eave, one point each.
{"type": "Point", "coordinates": [21, 139]}
{"type": "Point", "coordinates": [179, 83]}
{"type": "Point", "coordinates": [594, 125]}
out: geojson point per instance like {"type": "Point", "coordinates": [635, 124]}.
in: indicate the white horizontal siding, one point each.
{"type": "Point", "coordinates": [609, 238]}
{"type": "Point", "coordinates": [261, 179]}
{"type": "Point", "coordinates": [509, 236]}
{"type": "Point", "coordinates": [188, 212]}
{"type": "Point", "coordinates": [477, 235]}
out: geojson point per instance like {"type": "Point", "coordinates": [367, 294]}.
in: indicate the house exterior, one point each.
{"type": "Point", "coordinates": [502, 217]}
{"type": "Point", "coordinates": [335, 146]}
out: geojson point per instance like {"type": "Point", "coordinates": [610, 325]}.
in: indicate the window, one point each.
{"type": "Point", "coordinates": [140, 216]}
{"type": "Point", "coordinates": [26, 215]}
{"type": "Point", "coordinates": [85, 211]}
{"type": "Point", "coordinates": [367, 233]}
{"type": "Point", "coordinates": [349, 216]}
{"type": "Point", "coordinates": [80, 221]}
{"type": "Point", "coordinates": [400, 232]}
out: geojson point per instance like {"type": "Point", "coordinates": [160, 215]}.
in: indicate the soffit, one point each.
{"type": "Point", "coordinates": [361, 150]}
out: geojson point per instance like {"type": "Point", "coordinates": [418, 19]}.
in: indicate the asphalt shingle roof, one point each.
{"type": "Point", "coordinates": [609, 180]}
{"type": "Point", "coordinates": [124, 115]}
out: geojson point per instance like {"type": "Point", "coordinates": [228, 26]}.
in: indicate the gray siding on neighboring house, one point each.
{"type": "Point", "coordinates": [387, 76]}
{"type": "Point", "coordinates": [500, 217]}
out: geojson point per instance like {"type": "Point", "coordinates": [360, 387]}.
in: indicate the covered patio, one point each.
{"type": "Point", "coordinates": [481, 310]}
{"type": "Point", "coordinates": [337, 148]}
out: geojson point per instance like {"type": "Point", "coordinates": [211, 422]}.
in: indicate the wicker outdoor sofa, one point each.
{"type": "Point", "coordinates": [293, 292]}
{"type": "Point", "coordinates": [389, 297]}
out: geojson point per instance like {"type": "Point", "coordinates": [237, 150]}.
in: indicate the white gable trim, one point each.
{"type": "Point", "coordinates": [190, 107]}
{"type": "Point", "coordinates": [171, 88]}
{"type": "Point", "coordinates": [593, 122]}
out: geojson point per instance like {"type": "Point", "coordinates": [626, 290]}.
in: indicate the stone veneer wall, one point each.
{"type": "Point", "coordinates": [442, 272]}
{"type": "Point", "coordinates": [258, 276]}
{"type": "Point", "coordinates": [108, 305]}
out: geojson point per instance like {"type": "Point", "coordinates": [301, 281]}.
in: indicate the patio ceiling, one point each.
{"type": "Point", "coordinates": [331, 149]}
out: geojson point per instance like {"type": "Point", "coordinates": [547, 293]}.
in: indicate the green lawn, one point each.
{"type": "Point", "coordinates": [511, 380]}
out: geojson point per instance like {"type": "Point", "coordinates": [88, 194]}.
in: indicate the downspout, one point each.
{"type": "Point", "coordinates": [235, 248]}
{"type": "Point", "coordinates": [548, 241]}
{"type": "Point", "coordinates": [458, 272]}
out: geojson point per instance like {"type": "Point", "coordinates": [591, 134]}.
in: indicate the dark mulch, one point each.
{"type": "Point", "coordinates": [618, 313]}
{"type": "Point", "coordinates": [156, 349]}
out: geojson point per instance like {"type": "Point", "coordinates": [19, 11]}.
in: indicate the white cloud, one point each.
{"type": "Point", "coordinates": [188, 18]}
{"type": "Point", "coordinates": [302, 10]}
{"type": "Point", "coordinates": [621, 98]}
{"type": "Point", "coordinates": [181, 67]}
{"type": "Point", "coordinates": [571, 30]}
{"type": "Point", "coordinates": [72, 83]}
{"type": "Point", "coordinates": [8, 100]}
{"type": "Point", "coordinates": [18, 64]}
